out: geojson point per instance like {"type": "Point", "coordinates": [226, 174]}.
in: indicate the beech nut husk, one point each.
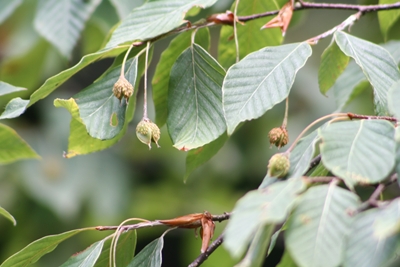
{"type": "Point", "coordinates": [278, 165]}
{"type": "Point", "coordinates": [123, 88]}
{"type": "Point", "coordinates": [278, 136]}
{"type": "Point", "coordinates": [147, 132]}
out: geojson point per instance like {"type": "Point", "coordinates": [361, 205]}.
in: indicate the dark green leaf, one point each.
{"type": "Point", "coordinates": [387, 18]}
{"type": "Point", "coordinates": [62, 21]}
{"type": "Point", "coordinates": [195, 115]}
{"type": "Point", "coordinates": [317, 229]}
{"type": "Point", "coordinates": [287, 260]}
{"type": "Point", "coordinates": [7, 8]}
{"type": "Point", "coordinates": [333, 63]}
{"type": "Point", "coordinates": [35, 250]}
{"type": "Point", "coordinates": [150, 256]}
{"type": "Point", "coordinates": [168, 57]}
{"type": "Point", "coordinates": [13, 147]}
{"type": "Point", "coordinates": [377, 64]}
{"type": "Point", "coordinates": [6, 214]}
{"type": "Point", "coordinates": [359, 151]}
{"type": "Point", "coordinates": [152, 19]}
{"type": "Point", "coordinates": [260, 81]}
{"type": "Point", "coordinates": [86, 258]}
{"type": "Point", "coordinates": [14, 108]}
{"type": "Point", "coordinates": [6, 88]}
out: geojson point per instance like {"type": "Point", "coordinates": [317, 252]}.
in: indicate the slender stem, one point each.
{"type": "Point", "coordinates": [366, 117]}
{"type": "Point", "coordinates": [125, 58]}
{"type": "Point", "coordinates": [320, 179]}
{"type": "Point", "coordinates": [284, 123]}
{"type": "Point", "coordinates": [235, 31]}
{"type": "Point", "coordinates": [145, 82]}
{"type": "Point", "coordinates": [203, 256]}
{"type": "Point", "coordinates": [311, 125]}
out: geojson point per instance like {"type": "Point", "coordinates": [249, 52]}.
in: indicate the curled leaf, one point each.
{"type": "Point", "coordinates": [282, 20]}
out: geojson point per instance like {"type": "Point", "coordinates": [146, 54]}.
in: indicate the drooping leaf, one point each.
{"type": "Point", "coordinates": [149, 256]}
{"type": "Point", "coordinates": [7, 215]}
{"type": "Point", "coordinates": [6, 88]}
{"type": "Point", "coordinates": [364, 151]}
{"type": "Point", "coordinates": [13, 147]}
{"type": "Point", "coordinates": [364, 247]}
{"type": "Point", "coordinates": [35, 250]}
{"type": "Point", "coordinates": [86, 258]}
{"type": "Point", "coordinates": [197, 157]}
{"type": "Point", "coordinates": [260, 81]}
{"type": "Point", "coordinates": [377, 64]}
{"type": "Point", "coordinates": [316, 230]}
{"type": "Point", "coordinates": [125, 250]}
{"type": "Point", "coordinates": [168, 57]}
{"type": "Point", "coordinates": [7, 8]}
{"type": "Point", "coordinates": [250, 37]}
{"type": "Point", "coordinates": [195, 115]}
{"type": "Point", "coordinates": [152, 19]}
{"type": "Point", "coordinates": [61, 21]}
{"type": "Point", "coordinates": [255, 255]}
{"type": "Point", "coordinates": [14, 108]}
{"type": "Point", "coordinates": [257, 208]}
{"type": "Point", "coordinates": [387, 18]}
{"type": "Point", "coordinates": [393, 99]}
{"type": "Point", "coordinates": [333, 63]}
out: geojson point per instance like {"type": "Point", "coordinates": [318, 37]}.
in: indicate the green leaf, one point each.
{"type": "Point", "coordinates": [6, 214]}
{"type": "Point", "coordinates": [267, 181]}
{"type": "Point", "coordinates": [197, 157]}
{"type": "Point", "coordinates": [388, 223]}
{"type": "Point", "coordinates": [35, 250]}
{"type": "Point", "coordinates": [393, 99]}
{"type": "Point", "coordinates": [397, 168]}
{"type": "Point", "coordinates": [260, 81]}
{"type": "Point", "coordinates": [387, 18]}
{"type": "Point", "coordinates": [377, 64]}
{"type": "Point", "coordinates": [14, 108]}
{"type": "Point", "coordinates": [195, 115]}
{"type": "Point", "coordinates": [359, 151]}
{"type": "Point", "coordinates": [62, 21]}
{"type": "Point", "coordinates": [364, 247]}
{"type": "Point", "coordinates": [86, 258]}
{"type": "Point", "coordinates": [6, 88]}
{"type": "Point", "coordinates": [124, 7]}
{"type": "Point", "coordinates": [318, 226]}
{"type": "Point", "coordinates": [270, 205]}
{"type": "Point", "coordinates": [168, 57]}
{"type": "Point", "coordinates": [125, 250]}
{"type": "Point", "coordinates": [149, 256]}
{"type": "Point", "coordinates": [255, 255]}
{"type": "Point", "coordinates": [287, 260]}
{"type": "Point", "coordinates": [152, 19]}
{"type": "Point", "coordinates": [333, 63]}
{"type": "Point", "coordinates": [319, 170]}
{"type": "Point", "coordinates": [250, 37]}
{"type": "Point", "coordinates": [7, 8]}
{"type": "Point", "coordinates": [13, 147]}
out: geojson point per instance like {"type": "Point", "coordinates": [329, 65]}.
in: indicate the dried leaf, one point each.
{"type": "Point", "coordinates": [222, 18]}
{"type": "Point", "coordinates": [207, 230]}
{"type": "Point", "coordinates": [187, 221]}
{"type": "Point", "coordinates": [282, 20]}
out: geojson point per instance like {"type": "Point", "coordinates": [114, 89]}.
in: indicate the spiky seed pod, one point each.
{"type": "Point", "coordinates": [147, 132]}
{"type": "Point", "coordinates": [278, 165]}
{"type": "Point", "coordinates": [123, 88]}
{"type": "Point", "coordinates": [278, 136]}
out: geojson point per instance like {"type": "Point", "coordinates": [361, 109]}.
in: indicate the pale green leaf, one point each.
{"type": "Point", "coordinates": [387, 18]}
{"type": "Point", "coordinates": [316, 230]}
{"type": "Point", "coordinates": [377, 64]}
{"type": "Point", "coordinates": [260, 81]}
{"type": "Point", "coordinates": [62, 21]}
{"type": "Point", "coordinates": [359, 151]}
{"type": "Point", "coordinates": [269, 205]}
{"type": "Point", "coordinates": [333, 63]}
{"type": "Point", "coordinates": [388, 223]}
{"type": "Point", "coordinates": [267, 181]}
{"type": "Point", "coordinates": [364, 247]}
{"type": "Point", "coordinates": [124, 7]}
{"type": "Point", "coordinates": [397, 168]}
{"type": "Point", "coordinates": [13, 147]}
{"type": "Point", "coordinates": [274, 238]}
{"type": "Point", "coordinates": [195, 115]}
{"type": "Point", "coordinates": [168, 57]}
{"type": "Point", "coordinates": [7, 215]}
{"type": "Point", "coordinates": [7, 7]}
{"type": "Point", "coordinates": [255, 255]}
{"type": "Point", "coordinates": [86, 258]}
{"type": "Point", "coordinates": [251, 30]}
{"type": "Point", "coordinates": [6, 88]}
{"type": "Point", "coordinates": [394, 99]}
{"type": "Point", "coordinates": [150, 256]}
{"type": "Point", "coordinates": [35, 250]}
{"type": "Point", "coordinates": [14, 108]}
{"type": "Point", "coordinates": [152, 19]}
{"type": "Point", "coordinates": [197, 157]}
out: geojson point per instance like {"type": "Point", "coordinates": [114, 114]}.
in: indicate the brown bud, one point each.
{"type": "Point", "coordinates": [278, 136]}
{"type": "Point", "coordinates": [147, 132]}
{"type": "Point", "coordinates": [278, 165]}
{"type": "Point", "coordinates": [123, 88]}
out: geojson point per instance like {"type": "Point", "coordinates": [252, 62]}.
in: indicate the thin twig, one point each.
{"type": "Point", "coordinates": [211, 248]}
{"type": "Point", "coordinates": [320, 179]}
{"type": "Point", "coordinates": [235, 31]}
{"type": "Point", "coordinates": [368, 117]}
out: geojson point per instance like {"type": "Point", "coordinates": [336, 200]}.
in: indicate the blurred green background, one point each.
{"type": "Point", "coordinates": [54, 194]}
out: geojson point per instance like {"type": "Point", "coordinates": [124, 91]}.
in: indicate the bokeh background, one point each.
{"type": "Point", "coordinates": [54, 194]}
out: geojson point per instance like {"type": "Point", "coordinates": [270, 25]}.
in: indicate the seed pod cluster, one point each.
{"type": "Point", "coordinates": [147, 132]}
{"type": "Point", "coordinates": [123, 88]}
{"type": "Point", "coordinates": [278, 136]}
{"type": "Point", "coordinates": [278, 165]}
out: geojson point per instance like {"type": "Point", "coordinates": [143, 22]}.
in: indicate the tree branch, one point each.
{"type": "Point", "coordinates": [211, 248]}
